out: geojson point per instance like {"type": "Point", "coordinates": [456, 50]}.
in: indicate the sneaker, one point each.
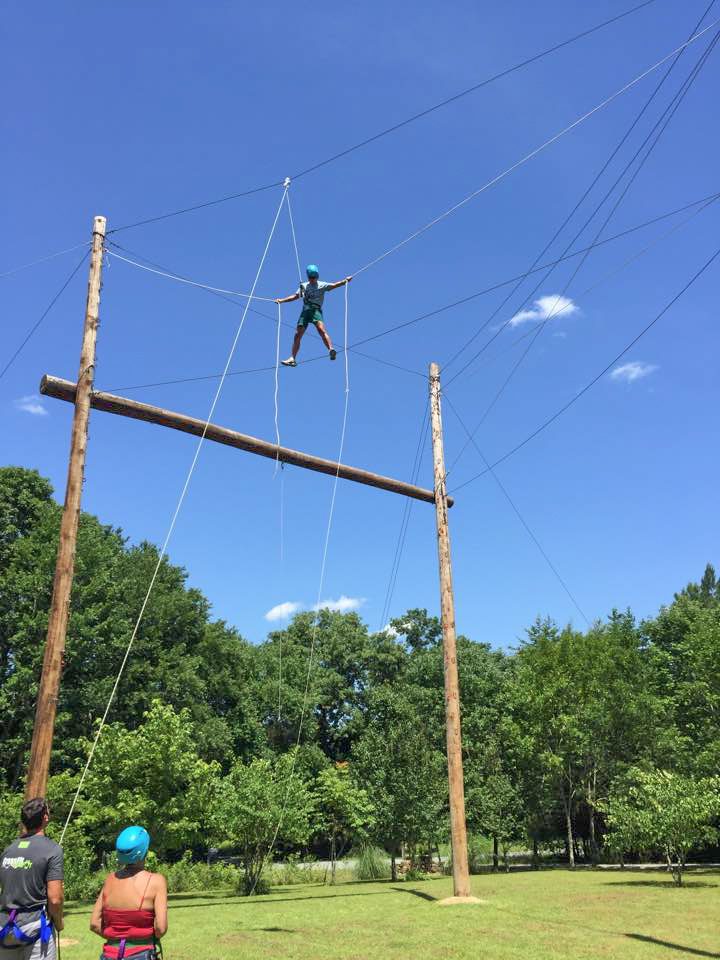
{"type": "Point", "coordinates": [290, 362]}
{"type": "Point", "coordinates": [333, 354]}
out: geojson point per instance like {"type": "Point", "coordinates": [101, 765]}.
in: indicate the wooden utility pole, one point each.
{"type": "Point", "coordinates": [46, 708]}
{"type": "Point", "coordinates": [458, 831]}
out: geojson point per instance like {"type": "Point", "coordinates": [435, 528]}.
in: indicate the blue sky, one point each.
{"type": "Point", "coordinates": [135, 110]}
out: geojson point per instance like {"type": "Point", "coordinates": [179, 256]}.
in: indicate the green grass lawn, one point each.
{"type": "Point", "coordinates": [553, 913]}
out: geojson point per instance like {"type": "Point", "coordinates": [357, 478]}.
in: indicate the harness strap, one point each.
{"type": "Point", "coordinates": [12, 928]}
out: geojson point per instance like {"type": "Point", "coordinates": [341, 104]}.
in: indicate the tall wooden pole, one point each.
{"type": "Point", "coordinates": [46, 708]}
{"type": "Point", "coordinates": [458, 832]}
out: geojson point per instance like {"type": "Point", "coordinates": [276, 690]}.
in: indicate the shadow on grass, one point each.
{"type": "Point", "coordinates": [660, 884]}
{"type": "Point", "coordinates": [416, 893]}
{"type": "Point", "coordinates": [693, 951]}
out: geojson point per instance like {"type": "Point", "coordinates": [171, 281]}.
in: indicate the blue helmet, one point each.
{"type": "Point", "coordinates": [312, 271]}
{"type": "Point", "coordinates": [132, 845]}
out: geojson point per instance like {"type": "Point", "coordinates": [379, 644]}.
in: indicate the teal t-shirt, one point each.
{"type": "Point", "coordinates": [313, 294]}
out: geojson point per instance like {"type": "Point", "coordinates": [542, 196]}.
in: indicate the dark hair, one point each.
{"type": "Point", "coordinates": [32, 813]}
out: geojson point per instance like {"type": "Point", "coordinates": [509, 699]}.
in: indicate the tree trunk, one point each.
{"type": "Point", "coordinates": [591, 795]}
{"type": "Point", "coordinates": [495, 855]}
{"type": "Point", "coordinates": [570, 840]}
{"type": "Point", "coordinates": [333, 852]}
{"type": "Point", "coordinates": [594, 851]}
{"type": "Point", "coordinates": [535, 855]}
{"type": "Point", "coordinates": [393, 867]}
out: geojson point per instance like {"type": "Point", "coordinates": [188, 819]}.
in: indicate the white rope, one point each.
{"type": "Point", "coordinates": [50, 256]}
{"type": "Point", "coordinates": [277, 388]}
{"type": "Point", "coordinates": [321, 584]}
{"type": "Point", "coordinates": [536, 151]}
{"type": "Point", "coordinates": [192, 283]}
{"type": "Point", "coordinates": [172, 523]}
{"type": "Point", "coordinates": [292, 230]}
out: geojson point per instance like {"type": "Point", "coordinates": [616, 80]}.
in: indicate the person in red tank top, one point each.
{"type": "Point", "coordinates": [131, 910]}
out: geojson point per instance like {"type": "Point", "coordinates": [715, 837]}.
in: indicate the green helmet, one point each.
{"type": "Point", "coordinates": [312, 271]}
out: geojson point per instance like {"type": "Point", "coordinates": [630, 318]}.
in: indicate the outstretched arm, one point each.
{"type": "Point", "coordinates": [339, 283]}
{"type": "Point", "coordinates": [293, 296]}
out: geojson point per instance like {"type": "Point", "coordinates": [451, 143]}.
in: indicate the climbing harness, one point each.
{"type": "Point", "coordinates": [11, 928]}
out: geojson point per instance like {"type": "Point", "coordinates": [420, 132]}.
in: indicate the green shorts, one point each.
{"type": "Point", "coordinates": [310, 314]}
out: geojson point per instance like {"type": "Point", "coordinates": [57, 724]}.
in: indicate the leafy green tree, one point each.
{"type": "Point", "coordinates": [404, 775]}
{"type": "Point", "coordinates": [344, 811]}
{"type": "Point", "coordinates": [258, 805]}
{"type": "Point", "coordinates": [178, 655]}
{"type": "Point", "coordinates": [664, 811]}
{"type": "Point", "coordinates": [336, 684]}
{"type": "Point", "coordinates": [153, 776]}
{"type": "Point", "coordinates": [684, 647]}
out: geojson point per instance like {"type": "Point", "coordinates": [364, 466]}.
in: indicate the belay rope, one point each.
{"type": "Point", "coordinates": [173, 521]}
{"type": "Point", "coordinates": [323, 565]}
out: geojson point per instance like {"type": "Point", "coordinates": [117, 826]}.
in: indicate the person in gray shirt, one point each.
{"type": "Point", "coordinates": [313, 294]}
{"type": "Point", "coordinates": [31, 888]}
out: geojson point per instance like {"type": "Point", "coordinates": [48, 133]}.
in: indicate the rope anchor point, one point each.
{"type": "Point", "coordinates": [286, 182]}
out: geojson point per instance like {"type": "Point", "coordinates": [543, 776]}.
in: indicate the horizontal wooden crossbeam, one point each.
{"type": "Point", "coordinates": [110, 403]}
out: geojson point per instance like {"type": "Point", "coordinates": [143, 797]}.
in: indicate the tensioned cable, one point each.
{"type": "Point", "coordinates": [405, 521]}
{"type": "Point", "coordinates": [660, 126]}
{"type": "Point", "coordinates": [45, 312]}
{"type": "Point", "coordinates": [192, 283]}
{"type": "Point", "coordinates": [559, 310]}
{"type": "Point", "coordinates": [577, 206]}
{"type": "Point", "coordinates": [50, 256]}
{"type": "Point", "coordinates": [394, 127]}
{"type": "Point", "coordinates": [599, 376]}
{"type": "Point", "coordinates": [432, 313]}
{"type": "Point", "coordinates": [171, 528]}
{"type": "Point", "coordinates": [294, 238]}
{"type": "Point", "coordinates": [516, 510]}
{"type": "Point", "coordinates": [532, 153]}
{"type": "Point", "coordinates": [259, 313]}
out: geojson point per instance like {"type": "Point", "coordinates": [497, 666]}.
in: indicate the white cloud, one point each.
{"type": "Point", "coordinates": [283, 611]}
{"type": "Point", "coordinates": [390, 630]}
{"type": "Point", "coordinates": [342, 605]}
{"type": "Point", "coordinates": [546, 308]}
{"type": "Point", "coordinates": [635, 370]}
{"type": "Point", "coordinates": [32, 404]}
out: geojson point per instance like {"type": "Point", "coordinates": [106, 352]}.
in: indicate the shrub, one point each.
{"type": "Point", "coordinates": [187, 876]}
{"type": "Point", "coordinates": [371, 863]}
{"type": "Point", "coordinates": [294, 871]}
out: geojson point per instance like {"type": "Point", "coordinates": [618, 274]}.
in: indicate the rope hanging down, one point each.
{"type": "Point", "coordinates": [321, 584]}
{"type": "Point", "coordinates": [173, 521]}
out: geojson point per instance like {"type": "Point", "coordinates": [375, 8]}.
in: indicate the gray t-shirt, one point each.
{"type": "Point", "coordinates": [314, 293]}
{"type": "Point", "coordinates": [25, 868]}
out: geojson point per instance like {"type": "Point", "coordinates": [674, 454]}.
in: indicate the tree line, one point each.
{"type": "Point", "coordinates": [573, 740]}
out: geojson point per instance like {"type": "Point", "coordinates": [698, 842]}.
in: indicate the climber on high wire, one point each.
{"type": "Point", "coordinates": [312, 293]}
